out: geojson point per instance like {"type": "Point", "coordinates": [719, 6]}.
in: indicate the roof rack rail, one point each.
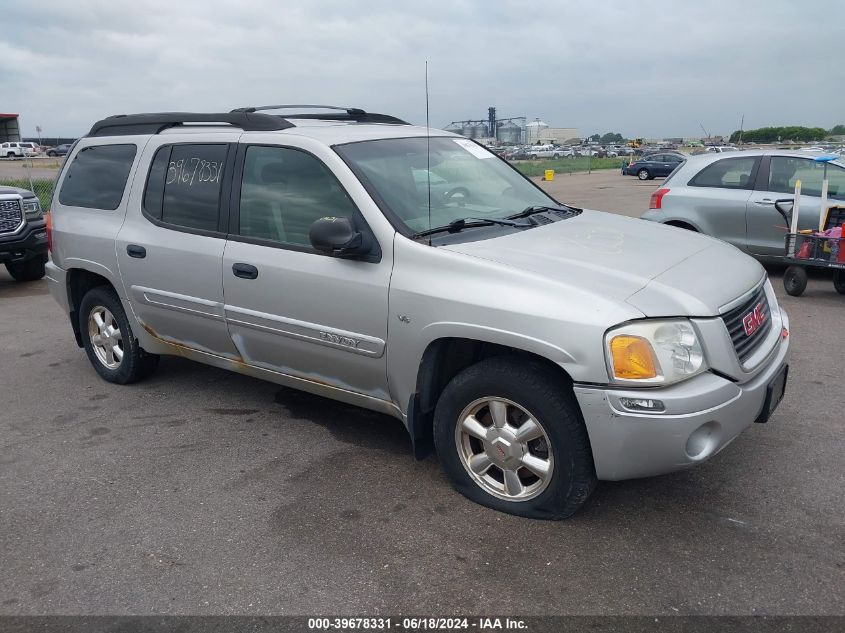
{"type": "Point", "coordinates": [153, 123]}
{"type": "Point", "coordinates": [250, 119]}
{"type": "Point", "coordinates": [344, 114]}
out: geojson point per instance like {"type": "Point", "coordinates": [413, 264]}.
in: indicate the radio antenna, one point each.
{"type": "Point", "coordinates": [427, 151]}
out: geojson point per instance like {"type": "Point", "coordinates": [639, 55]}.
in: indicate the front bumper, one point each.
{"type": "Point", "coordinates": [30, 242]}
{"type": "Point", "coordinates": [702, 416]}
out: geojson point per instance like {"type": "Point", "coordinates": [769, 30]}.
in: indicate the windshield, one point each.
{"type": "Point", "coordinates": [466, 180]}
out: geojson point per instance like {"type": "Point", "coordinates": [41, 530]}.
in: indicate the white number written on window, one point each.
{"type": "Point", "coordinates": [187, 171]}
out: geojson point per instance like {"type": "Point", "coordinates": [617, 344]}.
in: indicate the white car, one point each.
{"type": "Point", "coordinates": [17, 149]}
{"type": "Point", "coordinates": [549, 151]}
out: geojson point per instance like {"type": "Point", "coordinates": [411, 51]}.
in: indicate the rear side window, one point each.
{"type": "Point", "coordinates": [97, 177]}
{"type": "Point", "coordinates": [728, 173]}
{"type": "Point", "coordinates": [183, 187]}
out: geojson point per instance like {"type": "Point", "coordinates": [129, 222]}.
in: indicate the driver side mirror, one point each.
{"type": "Point", "coordinates": [338, 237]}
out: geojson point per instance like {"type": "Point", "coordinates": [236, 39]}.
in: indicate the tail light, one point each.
{"type": "Point", "coordinates": [656, 201]}
{"type": "Point", "coordinates": [48, 219]}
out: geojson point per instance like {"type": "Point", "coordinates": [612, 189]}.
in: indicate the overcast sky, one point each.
{"type": "Point", "coordinates": [643, 68]}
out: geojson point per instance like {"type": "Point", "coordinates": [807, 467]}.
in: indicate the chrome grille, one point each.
{"type": "Point", "coordinates": [745, 344]}
{"type": "Point", "coordinates": [11, 215]}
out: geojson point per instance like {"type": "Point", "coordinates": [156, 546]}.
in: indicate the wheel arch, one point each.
{"type": "Point", "coordinates": [79, 282]}
{"type": "Point", "coordinates": [682, 224]}
{"type": "Point", "coordinates": [445, 357]}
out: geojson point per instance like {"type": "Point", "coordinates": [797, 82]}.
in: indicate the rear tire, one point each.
{"type": "Point", "coordinates": [795, 281]}
{"type": "Point", "coordinates": [500, 471]}
{"type": "Point", "coordinates": [31, 270]}
{"type": "Point", "coordinates": [644, 174]}
{"type": "Point", "coordinates": [108, 339]}
{"type": "Point", "coordinates": [839, 281]}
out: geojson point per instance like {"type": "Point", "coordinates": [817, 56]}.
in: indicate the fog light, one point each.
{"type": "Point", "coordinates": [702, 442]}
{"type": "Point", "coordinates": [642, 404]}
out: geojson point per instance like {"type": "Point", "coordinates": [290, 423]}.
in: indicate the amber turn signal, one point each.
{"type": "Point", "coordinates": [633, 358]}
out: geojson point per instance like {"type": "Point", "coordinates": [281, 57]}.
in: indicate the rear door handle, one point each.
{"type": "Point", "coordinates": [138, 252]}
{"type": "Point", "coordinates": [245, 271]}
{"type": "Point", "coordinates": [765, 201]}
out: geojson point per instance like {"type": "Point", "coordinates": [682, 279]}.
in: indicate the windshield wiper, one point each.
{"type": "Point", "coordinates": [460, 224]}
{"type": "Point", "coordinates": [539, 209]}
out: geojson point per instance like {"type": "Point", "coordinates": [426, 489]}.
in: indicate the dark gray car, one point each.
{"type": "Point", "coordinates": [653, 165]}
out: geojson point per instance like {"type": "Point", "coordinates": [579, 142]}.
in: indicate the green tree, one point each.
{"type": "Point", "coordinates": [775, 134]}
{"type": "Point", "coordinates": [612, 137]}
{"type": "Point", "coordinates": [837, 130]}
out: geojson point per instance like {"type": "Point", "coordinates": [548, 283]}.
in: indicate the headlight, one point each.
{"type": "Point", "coordinates": [653, 352]}
{"type": "Point", "coordinates": [31, 207]}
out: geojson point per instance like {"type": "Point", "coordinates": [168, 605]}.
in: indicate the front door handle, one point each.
{"type": "Point", "coordinates": [245, 271]}
{"type": "Point", "coordinates": [765, 201]}
{"type": "Point", "coordinates": [138, 252]}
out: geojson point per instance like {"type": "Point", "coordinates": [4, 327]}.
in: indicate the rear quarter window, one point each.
{"type": "Point", "coordinates": [97, 177]}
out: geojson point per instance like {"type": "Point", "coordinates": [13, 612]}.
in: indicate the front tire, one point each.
{"type": "Point", "coordinates": [31, 270]}
{"type": "Point", "coordinates": [644, 174]}
{"type": "Point", "coordinates": [108, 339]}
{"type": "Point", "coordinates": [511, 437]}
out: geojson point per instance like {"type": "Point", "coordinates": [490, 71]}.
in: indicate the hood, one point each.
{"type": "Point", "coordinates": [6, 190]}
{"type": "Point", "coordinates": [659, 270]}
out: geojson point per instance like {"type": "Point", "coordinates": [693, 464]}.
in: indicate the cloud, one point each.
{"type": "Point", "coordinates": [645, 69]}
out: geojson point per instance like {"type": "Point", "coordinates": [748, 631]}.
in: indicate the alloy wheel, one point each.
{"type": "Point", "coordinates": [504, 449]}
{"type": "Point", "coordinates": [106, 338]}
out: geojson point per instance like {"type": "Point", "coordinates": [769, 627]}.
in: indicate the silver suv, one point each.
{"type": "Point", "coordinates": [536, 347]}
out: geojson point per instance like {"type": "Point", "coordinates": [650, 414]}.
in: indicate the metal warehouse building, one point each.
{"type": "Point", "coordinates": [10, 129]}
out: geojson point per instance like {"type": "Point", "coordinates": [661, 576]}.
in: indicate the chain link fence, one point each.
{"type": "Point", "coordinates": [34, 173]}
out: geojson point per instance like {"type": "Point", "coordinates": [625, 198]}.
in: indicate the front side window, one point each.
{"type": "Point", "coordinates": [835, 182]}
{"type": "Point", "coordinates": [284, 191]}
{"type": "Point", "coordinates": [183, 187]}
{"type": "Point", "coordinates": [728, 173]}
{"type": "Point", "coordinates": [467, 181]}
{"type": "Point", "coordinates": [785, 171]}
{"type": "Point", "coordinates": [97, 177]}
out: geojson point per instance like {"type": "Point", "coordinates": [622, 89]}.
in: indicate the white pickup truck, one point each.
{"type": "Point", "coordinates": [549, 151]}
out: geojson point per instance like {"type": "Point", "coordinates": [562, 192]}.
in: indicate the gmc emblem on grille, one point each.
{"type": "Point", "coordinates": [754, 319]}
